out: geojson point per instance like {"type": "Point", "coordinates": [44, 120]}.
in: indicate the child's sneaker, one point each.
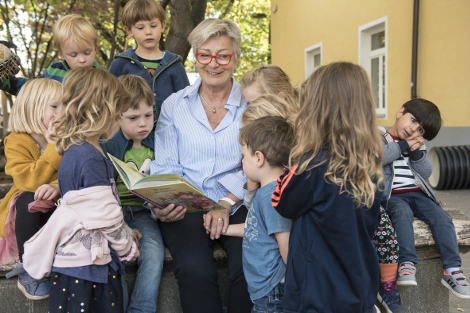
{"type": "Point", "coordinates": [456, 283]}
{"type": "Point", "coordinates": [33, 289]}
{"type": "Point", "coordinates": [407, 275]}
{"type": "Point", "coordinates": [390, 301]}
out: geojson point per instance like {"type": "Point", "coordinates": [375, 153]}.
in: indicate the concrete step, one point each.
{"type": "Point", "coordinates": [168, 301]}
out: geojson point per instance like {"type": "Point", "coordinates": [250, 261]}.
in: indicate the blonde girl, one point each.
{"type": "Point", "coordinates": [331, 193]}
{"type": "Point", "coordinates": [269, 79]}
{"type": "Point", "coordinates": [268, 105]}
{"type": "Point", "coordinates": [33, 163]}
{"type": "Point", "coordinates": [83, 243]}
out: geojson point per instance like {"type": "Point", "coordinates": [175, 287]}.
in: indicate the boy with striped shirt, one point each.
{"type": "Point", "coordinates": [406, 193]}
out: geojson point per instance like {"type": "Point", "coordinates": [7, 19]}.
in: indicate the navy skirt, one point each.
{"type": "Point", "coordinates": [70, 294]}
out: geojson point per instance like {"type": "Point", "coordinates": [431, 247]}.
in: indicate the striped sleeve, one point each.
{"type": "Point", "coordinates": [281, 184]}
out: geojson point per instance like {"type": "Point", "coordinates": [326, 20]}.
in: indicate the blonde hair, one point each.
{"type": "Point", "coordinates": [337, 115]}
{"type": "Point", "coordinates": [213, 27]}
{"type": "Point", "coordinates": [142, 10]}
{"type": "Point", "coordinates": [93, 100]}
{"type": "Point", "coordinates": [138, 90]}
{"type": "Point", "coordinates": [271, 79]}
{"type": "Point", "coordinates": [268, 105]}
{"type": "Point", "coordinates": [28, 111]}
{"type": "Point", "coordinates": [73, 27]}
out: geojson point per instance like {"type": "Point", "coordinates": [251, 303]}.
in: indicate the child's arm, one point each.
{"type": "Point", "coordinates": [235, 230]}
{"type": "Point", "coordinates": [283, 241]}
{"type": "Point", "coordinates": [13, 84]}
{"type": "Point", "coordinates": [27, 172]}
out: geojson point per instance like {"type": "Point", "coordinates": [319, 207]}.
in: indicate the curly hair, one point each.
{"type": "Point", "coordinates": [93, 100]}
{"type": "Point", "coordinates": [337, 115]}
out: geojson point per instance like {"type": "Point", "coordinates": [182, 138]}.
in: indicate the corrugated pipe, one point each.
{"type": "Point", "coordinates": [414, 53]}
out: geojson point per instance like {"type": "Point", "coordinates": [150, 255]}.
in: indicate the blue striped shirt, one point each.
{"type": "Point", "coordinates": [185, 143]}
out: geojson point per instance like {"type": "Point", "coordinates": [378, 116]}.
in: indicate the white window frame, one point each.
{"type": "Point", "coordinates": [310, 53]}
{"type": "Point", "coordinates": [366, 54]}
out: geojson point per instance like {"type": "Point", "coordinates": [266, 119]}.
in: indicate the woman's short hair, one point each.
{"type": "Point", "coordinates": [28, 111]}
{"type": "Point", "coordinates": [73, 27]}
{"type": "Point", "coordinates": [213, 27]}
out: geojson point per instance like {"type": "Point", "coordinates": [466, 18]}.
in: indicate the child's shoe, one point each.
{"type": "Point", "coordinates": [456, 283]}
{"type": "Point", "coordinates": [33, 289]}
{"type": "Point", "coordinates": [407, 275]}
{"type": "Point", "coordinates": [390, 301]}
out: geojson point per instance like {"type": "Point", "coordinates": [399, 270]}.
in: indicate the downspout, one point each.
{"type": "Point", "coordinates": [414, 53]}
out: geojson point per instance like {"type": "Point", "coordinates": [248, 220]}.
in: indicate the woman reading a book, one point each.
{"type": "Point", "coordinates": [197, 137]}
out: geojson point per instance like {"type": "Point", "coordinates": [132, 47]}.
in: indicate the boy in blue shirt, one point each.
{"type": "Point", "coordinates": [133, 145]}
{"type": "Point", "coordinates": [406, 194]}
{"type": "Point", "coordinates": [145, 21]}
{"type": "Point", "coordinates": [265, 144]}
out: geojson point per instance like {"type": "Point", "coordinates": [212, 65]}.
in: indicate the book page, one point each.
{"type": "Point", "coordinates": [129, 175]}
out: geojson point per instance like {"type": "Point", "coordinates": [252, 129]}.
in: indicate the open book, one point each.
{"type": "Point", "coordinates": [164, 189]}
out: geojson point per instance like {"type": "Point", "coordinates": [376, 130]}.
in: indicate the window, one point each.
{"type": "Point", "coordinates": [313, 58]}
{"type": "Point", "coordinates": [373, 57]}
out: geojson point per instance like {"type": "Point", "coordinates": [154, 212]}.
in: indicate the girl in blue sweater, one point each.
{"type": "Point", "coordinates": [331, 193]}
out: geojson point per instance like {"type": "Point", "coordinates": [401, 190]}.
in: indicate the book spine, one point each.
{"type": "Point", "coordinates": [147, 199]}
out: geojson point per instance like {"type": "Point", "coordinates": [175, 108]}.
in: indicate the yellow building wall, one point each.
{"type": "Point", "coordinates": [443, 52]}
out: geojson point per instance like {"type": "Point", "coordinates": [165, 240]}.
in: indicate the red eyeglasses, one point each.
{"type": "Point", "coordinates": [221, 59]}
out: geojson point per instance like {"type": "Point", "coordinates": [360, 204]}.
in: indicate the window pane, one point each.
{"type": "Point", "coordinates": [316, 60]}
{"type": "Point", "coordinates": [374, 75]}
{"type": "Point", "coordinates": [378, 40]}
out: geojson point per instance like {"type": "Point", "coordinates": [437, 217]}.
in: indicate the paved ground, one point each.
{"type": "Point", "coordinates": [458, 199]}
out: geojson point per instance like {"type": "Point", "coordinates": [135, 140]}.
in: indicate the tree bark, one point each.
{"type": "Point", "coordinates": [184, 18]}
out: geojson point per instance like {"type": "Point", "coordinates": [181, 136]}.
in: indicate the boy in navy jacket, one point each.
{"type": "Point", "coordinates": [145, 21]}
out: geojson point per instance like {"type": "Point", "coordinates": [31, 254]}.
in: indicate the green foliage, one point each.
{"type": "Point", "coordinates": [28, 23]}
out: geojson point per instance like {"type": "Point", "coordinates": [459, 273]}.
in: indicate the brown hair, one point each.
{"type": "Point", "coordinates": [337, 115]}
{"type": "Point", "coordinates": [139, 90]}
{"type": "Point", "coordinates": [93, 100]}
{"type": "Point", "coordinates": [73, 27]}
{"type": "Point", "coordinates": [271, 135]}
{"type": "Point", "coordinates": [142, 10]}
{"type": "Point", "coordinates": [268, 105]}
{"type": "Point", "coordinates": [271, 79]}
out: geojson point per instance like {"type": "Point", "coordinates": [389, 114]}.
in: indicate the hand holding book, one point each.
{"type": "Point", "coordinates": [171, 213]}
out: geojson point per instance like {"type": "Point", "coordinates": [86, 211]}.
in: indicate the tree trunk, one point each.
{"type": "Point", "coordinates": [184, 18]}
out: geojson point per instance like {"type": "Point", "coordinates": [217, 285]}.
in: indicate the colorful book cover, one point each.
{"type": "Point", "coordinates": [164, 189]}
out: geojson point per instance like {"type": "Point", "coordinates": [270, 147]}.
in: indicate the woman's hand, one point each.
{"type": "Point", "coordinates": [216, 223]}
{"type": "Point", "coordinates": [47, 192]}
{"type": "Point", "coordinates": [168, 214]}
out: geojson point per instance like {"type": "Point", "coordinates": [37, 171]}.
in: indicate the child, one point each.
{"type": "Point", "coordinates": [76, 42]}
{"type": "Point", "coordinates": [265, 145]}
{"type": "Point", "coordinates": [406, 193]}
{"type": "Point", "coordinates": [331, 193]}
{"type": "Point", "coordinates": [33, 164]}
{"type": "Point", "coordinates": [133, 145]}
{"type": "Point", "coordinates": [268, 105]}
{"type": "Point", "coordinates": [145, 21]}
{"type": "Point", "coordinates": [81, 242]}
{"type": "Point", "coordinates": [269, 79]}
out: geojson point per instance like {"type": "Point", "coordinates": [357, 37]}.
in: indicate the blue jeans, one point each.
{"type": "Point", "coordinates": [402, 208]}
{"type": "Point", "coordinates": [270, 303]}
{"type": "Point", "coordinates": [150, 262]}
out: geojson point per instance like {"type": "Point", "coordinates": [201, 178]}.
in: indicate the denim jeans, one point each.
{"type": "Point", "coordinates": [270, 303]}
{"type": "Point", "coordinates": [402, 208]}
{"type": "Point", "coordinates": [149, 264]}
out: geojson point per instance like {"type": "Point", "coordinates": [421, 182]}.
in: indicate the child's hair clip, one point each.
{"type": "Point", "coordinates": [261, 66]}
